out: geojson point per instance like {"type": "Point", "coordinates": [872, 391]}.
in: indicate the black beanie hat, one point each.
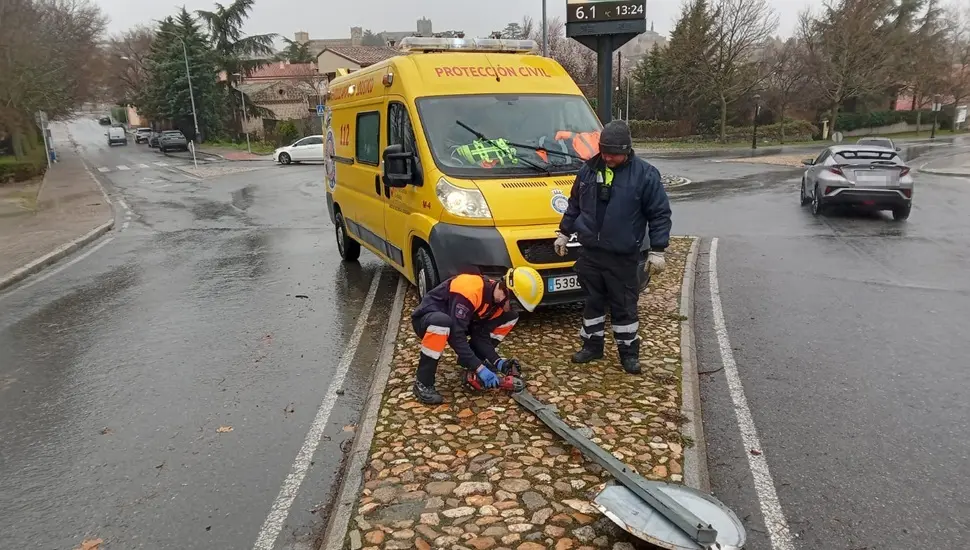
{"type": "Point", "coordinates": [615, 139]}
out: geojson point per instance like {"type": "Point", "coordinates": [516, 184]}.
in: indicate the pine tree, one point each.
{"type": "Point", "coordinates": [167, 97]}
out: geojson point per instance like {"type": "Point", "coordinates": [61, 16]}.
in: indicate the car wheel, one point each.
{"type": "Point", "coordinates": [901, 213]}
{"type": "Point", "coordinates": [802, 196]}
{"type": "Point", "coordinates": [818, 206]}
{"type": "Point", "coordinates": [349, 249]}
{"type": "Point", "coordinates": [425, 272]}
{"type": "Point", "coordinates": [162, 149]}
{"type": "Point", "coordinates": [285, 158]}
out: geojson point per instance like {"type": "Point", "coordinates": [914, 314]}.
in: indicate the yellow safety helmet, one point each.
{"type": "Point", "coordinates": [526, 284]}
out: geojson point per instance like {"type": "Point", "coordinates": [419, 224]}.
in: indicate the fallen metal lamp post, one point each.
{"type": "Point", "coordinates": [670, 516]}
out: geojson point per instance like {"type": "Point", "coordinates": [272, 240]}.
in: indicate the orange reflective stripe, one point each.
{"type": "Point", "coordinates": [503, 330]}
{"type": "Point", "coordinates": [434, 341]}
{"type": "Point", "coordinates": [472, 287]}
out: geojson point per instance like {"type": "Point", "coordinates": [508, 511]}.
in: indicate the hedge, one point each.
{"type": "Point", "coordinates": [855, 121]}
{"type": "Point", "coordinates": [661, 131]}
{"type": "Point", "coordinates": [22, 170]}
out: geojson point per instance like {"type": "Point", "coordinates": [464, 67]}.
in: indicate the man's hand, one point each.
{"type": "Point", "coordinates": [656, 262]}
{"type": "Point", "coordinates": [488, 378]}
{"type": "Point", "coordinates": [560, 244]}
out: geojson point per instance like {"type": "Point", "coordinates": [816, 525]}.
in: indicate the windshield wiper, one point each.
{"type": "Point", "coordinates": [494, 143]}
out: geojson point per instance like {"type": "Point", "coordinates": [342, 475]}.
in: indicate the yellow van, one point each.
{"type": "Point", "coordinates": [458, 156]}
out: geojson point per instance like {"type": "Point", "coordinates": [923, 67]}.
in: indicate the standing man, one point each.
{"type": "Point", "coordinates": [615, 199]}
{"type": "Point", "coordinates": [472, 314]}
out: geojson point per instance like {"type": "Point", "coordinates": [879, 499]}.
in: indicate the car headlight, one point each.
{"type": "Point", "coordinates": [467, 203]}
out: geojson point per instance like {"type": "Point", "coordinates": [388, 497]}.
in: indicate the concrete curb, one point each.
{"type": "Point", "coordinates": [947, 174]}
{"type": "Point", "coordinates": [69, 248]}
{"type": "Point", "coordinates": [695, 457]}
{"type": "Point", "coordinates": [33, 267]}
{"type": "Point", "coordinates": [353, 478]}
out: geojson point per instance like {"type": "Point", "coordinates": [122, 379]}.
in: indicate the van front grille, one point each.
{"type": "Point", "coordinates": [523, 184]}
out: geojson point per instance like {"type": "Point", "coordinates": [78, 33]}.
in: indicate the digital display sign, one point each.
{"type": "Point", "coordinates": [592, 11]}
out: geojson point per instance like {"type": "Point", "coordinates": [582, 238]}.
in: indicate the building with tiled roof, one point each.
{"type": "Point", "coordinates": [336, 59]}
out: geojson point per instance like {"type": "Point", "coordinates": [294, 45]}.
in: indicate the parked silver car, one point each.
{"type": "Point", "coordinates": [172, 139]}
{"type": "Point", "coordinates": [865, 176]}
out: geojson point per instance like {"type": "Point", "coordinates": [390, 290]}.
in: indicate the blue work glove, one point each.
{"type": "Point", "coordinates": [488, 378]}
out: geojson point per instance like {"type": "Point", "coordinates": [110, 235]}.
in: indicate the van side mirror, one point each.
{"type": "Point", "coordinates": [808, 162]}
{"type": "Point", "coordinates": [398, 166]}
{"type": "Point", "coordinates": [898, 149]}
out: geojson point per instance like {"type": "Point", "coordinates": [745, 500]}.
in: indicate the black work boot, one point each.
{"type": "Point", "coordinates": [631, 364]}
{"type": "Point", "coordinates": [591, 352]}
{"type": "Point", "coordinates": [427, 394]}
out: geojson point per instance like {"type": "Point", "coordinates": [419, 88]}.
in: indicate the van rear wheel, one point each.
{"type": "Point", "coordinates": [349, 249]}
{"type": "Point", "coordinates": [425, 272]}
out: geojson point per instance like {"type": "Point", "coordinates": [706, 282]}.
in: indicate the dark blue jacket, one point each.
{"type": "Point", "coordinates": [638, 201]}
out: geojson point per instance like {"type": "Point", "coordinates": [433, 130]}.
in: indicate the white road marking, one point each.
{"type": "Point", "coordinates": [33, 281]}
{"type": "Point", "coordinates": [123, 167]}
{"type": "Point", "coordinates": [104, 169]}
{"type": "Point", "coordinates": [143, 166]}
{"type": "Point", "coordinates": [160, 163]}
{"type": "Point", "coordinates": [778, 532]}
{"type": "Point", "coordinates": [273, 525]}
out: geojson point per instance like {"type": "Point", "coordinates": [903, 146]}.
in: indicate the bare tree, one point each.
{"type": "Point", "coordinates": [49, 61]}
{"type": "Point", "coordinates": [126, 57]}
{"type": "Point", "coordinates": [786, 79]}
{"type": "Point", "coordinates": [957, 82]}
{"type": "Point", "coordinates": [578, 60]}
{"type": "Point", "coordinates": [741, 30]}
{"type": "Point", "coordinates": [929, 67]}
{"type": "Point", "coordinates": [847, 52]}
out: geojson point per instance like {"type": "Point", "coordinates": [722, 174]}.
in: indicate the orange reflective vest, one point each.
{"type": "Point", "coordinates": [586, 144]}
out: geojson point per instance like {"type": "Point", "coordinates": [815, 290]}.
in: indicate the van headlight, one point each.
{"type": "Point", "coordinates": [467, 203]}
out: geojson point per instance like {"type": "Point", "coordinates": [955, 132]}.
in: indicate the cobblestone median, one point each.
{"type": "Point", "coordinates": [480, 472]}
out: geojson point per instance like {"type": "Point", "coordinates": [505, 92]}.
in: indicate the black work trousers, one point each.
{"type": "Point", "coordinates": [610, 281]}
{"type": "Point", "coordinates": [434, 329]}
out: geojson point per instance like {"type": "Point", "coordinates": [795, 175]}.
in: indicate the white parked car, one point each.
{"type": "Point", "coordinates": [308, 149]}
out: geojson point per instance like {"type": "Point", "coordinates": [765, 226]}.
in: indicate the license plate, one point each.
{"type": "Point", "coordinates": [559, 284]}
{"type": "Point", "coordinates": [869, 178]}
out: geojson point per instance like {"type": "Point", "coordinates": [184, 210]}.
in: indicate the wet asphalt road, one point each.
{"type": "Point", "coordinates": [116, 372]}
{"type": "Point", "coordinates": [849, 333]}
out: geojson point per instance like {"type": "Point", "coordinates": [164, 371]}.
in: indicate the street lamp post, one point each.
{"type": "Point", "coordinates": [936, 112]}
{"type": "Point", "coordinates": [188, 75]}
{"type": "Point", "coordinates": [545, 32]}
{"type": "Point", "coordinates": [754, 129]}
{"type": "Point", "coordinates": [244, 118]}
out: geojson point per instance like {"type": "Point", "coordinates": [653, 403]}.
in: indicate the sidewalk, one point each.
{"type": "Point", "coordinates": [954, 166]}
{"type": "Point", "coordinates": [53, 218]}
{"type": "Point", "coordinates": [480, 472]}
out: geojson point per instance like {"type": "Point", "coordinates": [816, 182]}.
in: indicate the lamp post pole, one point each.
{"type": "Point", "coordinates": [545, 32]}
{"type": "Point", "coordinates": [244, 118]}
{"type": "Point", "coordinates": [188, 75]}
{"type": "Point", "coordinates": [754, 129]}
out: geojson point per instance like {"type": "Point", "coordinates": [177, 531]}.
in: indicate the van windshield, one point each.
{"type": "Point", "coordinates": [524, 134]}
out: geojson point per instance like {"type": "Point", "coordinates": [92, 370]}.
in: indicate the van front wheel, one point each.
{"type": "Point", "coordinates": [349, 249]}
{"type": "Point", "coordinates": [425, 272]}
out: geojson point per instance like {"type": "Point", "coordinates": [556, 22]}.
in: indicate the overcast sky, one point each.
{"type": "Point", "coordinates": [333, 18]}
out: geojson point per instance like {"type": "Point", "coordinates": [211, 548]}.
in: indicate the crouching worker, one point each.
{"type": "Point", "coordinates": [472, 314]}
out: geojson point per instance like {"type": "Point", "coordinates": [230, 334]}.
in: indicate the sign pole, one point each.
{"type": "Point", "coordinates": [604, 68]}
{"type": "Point", "coordinates": [604, 26]}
